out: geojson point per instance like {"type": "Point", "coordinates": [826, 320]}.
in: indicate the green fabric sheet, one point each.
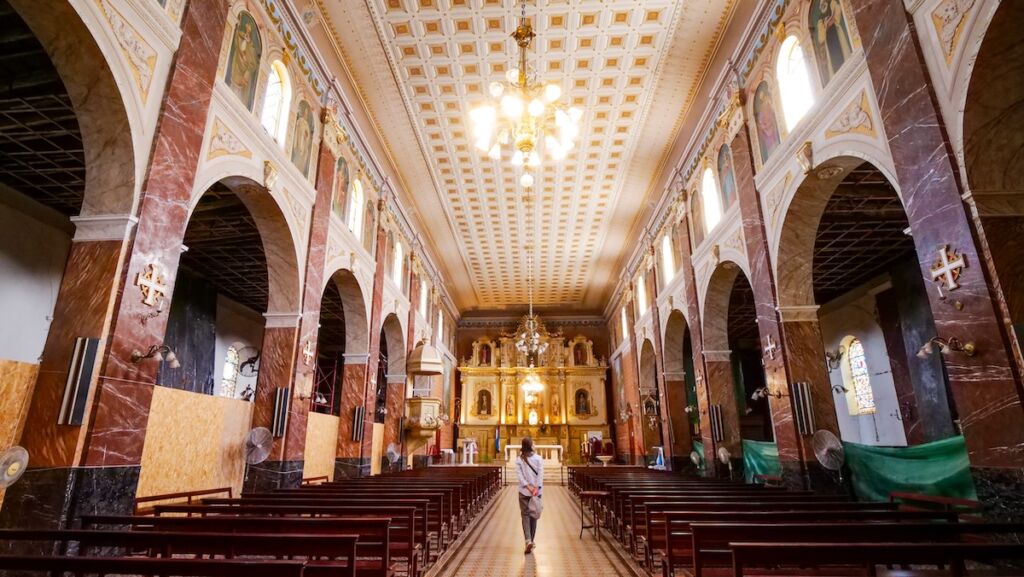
{"type": "Point", "coordinates": [939, 468]}
{"type": "Point", "coordinates": [699, 447]}
{"type": "Point", "coordinates": [760, 458]}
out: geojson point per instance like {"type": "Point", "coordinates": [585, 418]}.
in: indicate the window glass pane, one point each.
{"type": "Point", "coordinates": [711, 204]}
{"type": "Point", "coordinates": [860, 378]}
{"type": "Point", "coordinates": [794, 83]}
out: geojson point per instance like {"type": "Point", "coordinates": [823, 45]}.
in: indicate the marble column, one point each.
{"type": "Point", "coordinates": [892, 331]}
{"type": "Point", "coordinates": [285, 467]}
{"type": "Point", "coordinates": [674, 407]}
{"type": "Point", "coordinates": [721, 391]}
{"type": "Point", "coordinates": [985, 387]}
{"type": "Point", "coordinates": [348, 462]}
{"type": "Point", "coordinates": [659, 368]}
{"type": "Point", "coordinates": [373, 358]}
{"type": "Point", "coordinates": [777, 378]}
{"type": "Point", "coordinates": [95, 469]}
{"type": "Point", "coordinates": [697, 345]}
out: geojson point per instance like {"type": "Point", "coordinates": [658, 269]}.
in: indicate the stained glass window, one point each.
{"type": "Point", "coordinates": [860, 381]}
{"type": "Point", "coordinates": [230, 378]}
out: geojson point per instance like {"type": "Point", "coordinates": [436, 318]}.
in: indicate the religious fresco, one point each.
{"type": "Point", "coordinates": [726, 177]}
{"type": "Point", "coordinates": [764, 119]}
{"type": "Point", "coordinates": [370, 227]}
{"type": "Point", "coordinates": [302, 144]}
{"type": "Point", "coordinates": [244, 59]}
{"type": "Point", "coordinates": [341, 184]}
{"type": "Point", "coordinates": [830, 37]}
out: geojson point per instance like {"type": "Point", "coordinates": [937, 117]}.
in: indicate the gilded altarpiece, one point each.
{"type": "Point", "coordinates": [571, 407]}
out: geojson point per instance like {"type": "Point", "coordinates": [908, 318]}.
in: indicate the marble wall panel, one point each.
{"type": "Point", "coordinates": [985, 387]}
{"type": "Point", "coordinates": [277, 360]}
{"type": "Point", "coordinates": [193, 441]}
{"type": "Point", "coordinates": [117, 434]}
{"type": "Point", "coordinates": [16, 383]}
{"type": "Point", "coordinates": [83, 303]}
{"type": "Point", "coordinates": [373, 352]}
{"type": "Point", "coordinates": [722, 391]}
{"type": "Point", "coordinates": [321, 445]}
{"type": "Point", "coordinates": [805, 356]}
{"type": "Point", "coordinates": [396, 409]}
{"type": "Point", "coordinates": [353, 389]}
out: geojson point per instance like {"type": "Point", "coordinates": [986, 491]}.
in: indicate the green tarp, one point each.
{"type": "Point", "coordinates": [699, 447]}
{"type": "Point", "coordinates": [760, 458]}
{"type": "Point", "coordinates": [938, 468]}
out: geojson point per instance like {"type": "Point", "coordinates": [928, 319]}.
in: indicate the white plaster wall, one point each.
{"type": "Point", "coordinates": [236, 325]}
{"type": "Point", "coordinates": [32, 258]}
{"type": "Point", "coordinates": [855, 315]}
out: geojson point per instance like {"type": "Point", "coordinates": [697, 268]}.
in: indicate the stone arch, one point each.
{"type": "Point", "coordinates": [354, 305]}
{"type": "Point", "coordinates": [111, 138]}
{"type": "Point", "coordinates": [716, 305]}
{"type": "Point", "coordinates": [680, 384]}
{"type": "Point", "coordinates": [649, 396]}
{"type": "Point", "coordinates": [392, 330]}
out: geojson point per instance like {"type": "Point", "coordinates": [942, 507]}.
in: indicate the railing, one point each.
{"type": "Point", "coordinates": [185, 497]}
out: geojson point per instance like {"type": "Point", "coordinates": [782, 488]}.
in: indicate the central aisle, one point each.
{"type": "Point", "coordinates": [495, 547]}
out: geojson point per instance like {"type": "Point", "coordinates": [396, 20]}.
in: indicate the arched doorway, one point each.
{"type": "Point", "coordinates": [391, 387]}
{"type": "Point", "coordinates": [862, 273]}
{"type": "Point", "coordinates": [650, 407]}
{"type": "Point", "coordinates": [993, 129]}
{"type": "Point", "coordinates": [681, 388]}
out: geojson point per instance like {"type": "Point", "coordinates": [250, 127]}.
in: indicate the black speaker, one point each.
{"type": "Point", "coordinates": [717, 427]}
{"type": "Point", "coordinates": [76, 390]}
{"type": "Point", "coordinates": [358, 422]}
{"type": "Point", "coordinates": [803, 408]}
{"type": "Point", "coordinates": [282, 401]}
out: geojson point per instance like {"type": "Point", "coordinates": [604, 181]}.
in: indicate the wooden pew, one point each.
{"type": "Point", "coordinates": [45, 566]}
{"type": "Point", "coordinates": [749, 558]}
{"type": "Point", "coordinates": [677, 547]}
{"type": "Point", "coordinates": [373, 548]}
{"type": "Point", "coordinates": [333, 555]}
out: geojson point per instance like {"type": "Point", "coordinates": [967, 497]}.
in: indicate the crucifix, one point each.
{"type": "Point", "coordinates": [770, 346]}
{"type": "Point", "coordinates": [151, 283]}
{"type": "Point", "coordinates": [307, 352]}
{"type": "Point", "coordinates": [947, 269]}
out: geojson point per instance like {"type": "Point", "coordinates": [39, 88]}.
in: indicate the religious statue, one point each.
{"type": "Point", "coordinates": [483, 402]}
{"type": "Point", "coordinates": [830, 35]}
{"type": "Point", "coordinates": [582, 402]}
{"type": "Point", "coordinates": [244, 59]}
{"type": "Point", "coordinates": [510, 406]}
{"type": "Point", "coordinates": [579, 355]}
{"type": "Point", "coordinates": [556, 407]}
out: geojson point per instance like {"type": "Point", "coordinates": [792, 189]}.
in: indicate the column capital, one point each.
{"type": "Point", "coordinates": [282, 320]}
{"type": "Point", "coordinates": [99, 227]}
{"type": "Point", "coordinates": [717, 355]}
{"type": "Point", "coordinates": [798, 313]}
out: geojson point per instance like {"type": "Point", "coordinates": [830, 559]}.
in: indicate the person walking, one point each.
{"type": "Point", "coordinates": [530, 469]}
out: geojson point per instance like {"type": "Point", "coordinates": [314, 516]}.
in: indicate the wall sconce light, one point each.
{"type": "Point", "coordinates": [833, 358]}
{"type": "Point", "coordinates": [690, 409]}
{"type": "Point", "coordinates": [765, 392]}
{"type": "Point", "coordinates": [158, 352]}
{"type": "Point", "coordinates": [952, 344]}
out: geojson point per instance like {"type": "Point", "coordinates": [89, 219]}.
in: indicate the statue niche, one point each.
{"type": "Point", "coordinates": [483, 402]}
{"type": "Point", "coordinates": [582, 402]}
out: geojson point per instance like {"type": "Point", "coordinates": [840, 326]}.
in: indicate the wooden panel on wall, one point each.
{"type": "Point", "coordinates": [16, 382]}
{"type": "Point", "coordinates": [321, 445]}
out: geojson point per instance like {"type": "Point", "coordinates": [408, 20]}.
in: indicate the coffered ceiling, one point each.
{"type": "Point", "coordinates": [632, 66]}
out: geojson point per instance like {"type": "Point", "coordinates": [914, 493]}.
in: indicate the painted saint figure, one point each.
{"type": "Point", "coordinates": [556, 406]}
{"type": "Point", "coordinates": [726, 178]}
{"type": "Point", "coordinates": [764, 119]}
{"type": "Point", "coordinates": [303, 143]}
{"type": "Point", "coordinates": [341, 183]}
{"type": "Point", "coordinates": [244, 59]}
{"type": "Point", "coordinates": [831, 37]}
{"type": "Point", "coordinates": [510, 406]}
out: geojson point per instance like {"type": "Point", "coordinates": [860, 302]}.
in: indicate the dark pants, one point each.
{"type": "Point", "coordinates": [529, 523]}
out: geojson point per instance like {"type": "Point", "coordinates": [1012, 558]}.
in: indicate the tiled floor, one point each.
{"type": "Point", "coordinates": [495, 548]}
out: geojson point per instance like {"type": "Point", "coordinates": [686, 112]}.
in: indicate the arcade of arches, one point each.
{"type": "Point", "coordinates": [222, 215]}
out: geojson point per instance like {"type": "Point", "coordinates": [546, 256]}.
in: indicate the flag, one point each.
{"type": "Point", "coordinates": [497, 439]}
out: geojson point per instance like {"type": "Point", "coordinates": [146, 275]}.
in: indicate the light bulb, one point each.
{"type": "Point", "coordinates": [526, 180]}
{"type": "Point", "coordinates": [534, 159]}
{"type": "Point", "coordinates": [517, 158]}
{"type": "Point", "coordinates": [536, 107]}
{"type": "Point", "coordinates": [495, 152]}
{"type": "Point", "coordinates": [513, 76]}
{"type": "Point", "coordinates": [575, 114]}
{"type": "Point", "coordinates": [552, 92]}
{"type": "Point", "coordinates": [483, 143]}
{"type": "Point", "coordinates": [557, 152]}
{"type": "Point", "coordinates": [511, 106]}
{"type": "Point", "coordinates": [496, 89]}
{"type": "Point", "coordinates": [561, 118]}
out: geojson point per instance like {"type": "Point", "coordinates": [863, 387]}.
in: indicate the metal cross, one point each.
{"type": "Point", "coordinates": [307, 351]}
{"type": "Point", "coordinates": [947, 270]}
{"type": "Point", "coordinates": [770, 347]}
{"type": "Point", "coordinates": [151, 283]}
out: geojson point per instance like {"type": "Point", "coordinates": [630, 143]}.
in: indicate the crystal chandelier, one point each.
{"type": "Point", "coordinates": [524, 114]}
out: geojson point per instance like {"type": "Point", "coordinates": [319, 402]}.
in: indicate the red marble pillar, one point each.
{"type": "Point", "coordinates": [120, 407]}
{"type": "Point", "coordinates": [353, 390]}
{"type": "Point", "coordinates": [373, 358]}
{"type": "Point", "coordinates": [986, 387]}
{"type": "Point", "coordinates": [697, 346]}
{"type": "Point", "coordinates": [800, 354]}
{"type": "Point", "coordinates": [285, 466]}
{"type": "Point", "coordinates": [659, 368]}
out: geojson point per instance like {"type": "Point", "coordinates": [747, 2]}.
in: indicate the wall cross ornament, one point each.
{"type": "Point", "coordinates": [152, 282]}
{"type": "Point", "coordinates": [770, 346]}
{"type": "Point", "coordinates": [307, 352]}
{"type": "Point", "coordinates": [948, 268]}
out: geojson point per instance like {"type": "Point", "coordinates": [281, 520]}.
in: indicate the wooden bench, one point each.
{"type": "Point", "coordinates": [45, 566]}
{"type": "Point", "coordinates": [187, 497]}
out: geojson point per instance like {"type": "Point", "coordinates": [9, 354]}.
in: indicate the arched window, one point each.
{"type": "Point", "coordinates": [641, 294]}
{"type": "Point", "coordinates": [276, 101]}
{"type": "Point", "coordinates": [423, 298]}
{"type": "Point", "coordinates": [711, 204]}
{"type": "Point", "coordinates": [355, 209]}
{"type": "Point", "coordinates": [857, 379]}
{"type": "Point", "coordinates": [668, 260]}
{"type": "Point", "coordinates": [794, 82]}
{"type": "Point", "coordinates": [440, 327]}
{"type": "Point", "coordinates": [396, 265]}
{"type": "Point", "coordinates": [230, 378]}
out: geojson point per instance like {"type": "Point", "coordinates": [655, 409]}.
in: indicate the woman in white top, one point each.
{"type": "Point", "coordinates": [530, 469]}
